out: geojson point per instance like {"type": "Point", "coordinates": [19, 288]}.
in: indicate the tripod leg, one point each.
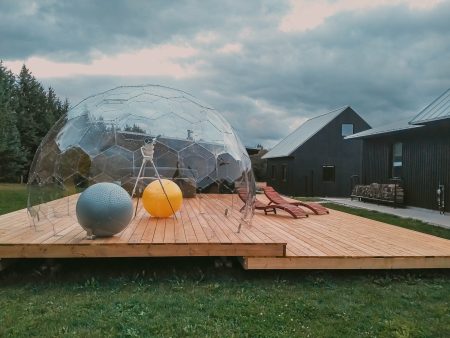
{"type": "Point", "coordinates": [164, 190]}
{"type": "Point", "coordinates": [135, 210]}
{"type": "Point", "coordinates": [138, 177]}
{"type": "Point", "coordinates": [135, 185]}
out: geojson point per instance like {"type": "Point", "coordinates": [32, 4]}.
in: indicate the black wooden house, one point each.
{"type": "Point", "coordinates": [315, 160]}
{"type": "Point", "coordinates": [416, 151]}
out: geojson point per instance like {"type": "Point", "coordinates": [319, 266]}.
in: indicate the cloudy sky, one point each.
{"type": "Point", "coordinates": [265, 65]}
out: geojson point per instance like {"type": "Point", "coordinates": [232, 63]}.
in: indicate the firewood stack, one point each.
{"type": "Point", "coordinates": [382, 192]}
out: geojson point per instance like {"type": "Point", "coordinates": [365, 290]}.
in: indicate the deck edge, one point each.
{"type": "Point", "coordinates": [85, 250]}
{"type": "Point", "coordinates": [346, 263]}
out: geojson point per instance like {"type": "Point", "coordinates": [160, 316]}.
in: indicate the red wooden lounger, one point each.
{"type": "Point", "coordinates": [275, 198]}
{"type": "Point", "coordinates": [294, 211]}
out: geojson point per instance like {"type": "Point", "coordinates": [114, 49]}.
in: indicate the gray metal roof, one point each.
{"type": "Point", "coordinates": [385, 129]}
{"type": "Point", "coordinates": [302, 134]}
{"type": "Point", "coordinates": [437, 110]}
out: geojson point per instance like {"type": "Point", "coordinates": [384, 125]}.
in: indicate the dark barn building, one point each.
{"type": "Point", "coordinates": [416, 151]}
{"type": "Point", "coordinates": [315, 160]}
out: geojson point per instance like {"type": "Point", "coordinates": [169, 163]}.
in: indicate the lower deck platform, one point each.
{"type": "Point", "coordinates": [208, 226]}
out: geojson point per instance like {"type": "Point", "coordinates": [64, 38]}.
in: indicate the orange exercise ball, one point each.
{"type": "Point", "coordinates": [157, 203]}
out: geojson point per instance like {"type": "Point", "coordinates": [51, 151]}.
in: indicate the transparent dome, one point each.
{"type": "Point", "coordinates": [100, 140]}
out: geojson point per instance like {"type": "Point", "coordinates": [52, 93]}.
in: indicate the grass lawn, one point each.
{"type": "Point", "coordinates": [308, 199]}
{"type": "Point", "coordinates": [192, 298]}
{"type": "Point", "coordinates": [189, 297]}
{"type": "Point", "coordinates": [12, 197]}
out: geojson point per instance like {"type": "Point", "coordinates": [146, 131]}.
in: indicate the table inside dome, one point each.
{"type": "Point", "coordinates": [334, 241]}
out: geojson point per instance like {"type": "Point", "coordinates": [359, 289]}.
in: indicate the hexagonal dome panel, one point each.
{"type": "Point", "coordinates": [198, 159]}
{"type": "Point", "coordinates": [102, 138]}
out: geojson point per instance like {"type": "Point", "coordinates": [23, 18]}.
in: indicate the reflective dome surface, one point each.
{"type": "Point", "coordinates": [100, 140]}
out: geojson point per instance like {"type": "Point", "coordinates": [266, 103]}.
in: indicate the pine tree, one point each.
{"type": "Point", "coordinates": [51, 107]}
{"type": "Point", "coordinates": [259, 165]}
{"type": "Point", "coordinates": [26, 111]}
{"type": "Point", "coordinates": [55, 108]}
{"type": "Point", "coordinates": [62, 108]}
{"type": "Point", "coordinates": [37, 109]}
{"type": "Point", "coordinates": [12, 155]}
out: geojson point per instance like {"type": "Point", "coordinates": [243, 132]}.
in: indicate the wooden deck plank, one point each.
{"type": "Point", "coordinates": [62, 234]}
{"type": "Point", "coordinates": [139, 231]}
{"type": "Point", "coordinates": [57, 231]}
{"type": "Point", "coordinates": [284, 263]}
{"type": "Point", "coordinates": [379, 238]}
{"type": "Point", "coordinates": [158, 237]}
{"type": "Point", "coordinates": [77, 250]}
{"type": "Point", "coordinates": [387, 231]}
{"type": "Point", "coordinates": [217, 215]}
{"type": "Point", "coordinates": [180, 236]}
{"type": "Point", "coordinates": [345, 238]}
{"type": "Point", "coordinates": [200, 226]}
{"type": "Point", "coordinates": [297, 245]}
{"type": "Point", "coordinates": [191, 236]}
{"type": "Point", "coordinates": [234, 216]}
{"type": "Point", "coordinates": [203, 228]}
{"type": "Point", "coordinates": [74, 236]}
{"type": "Point", "coordinates": [149, 232]}
{"type": "Point", "coordinates": [169, 234]}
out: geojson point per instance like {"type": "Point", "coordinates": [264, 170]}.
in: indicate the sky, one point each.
{"type": "Point", "coordinates": [267, 66]}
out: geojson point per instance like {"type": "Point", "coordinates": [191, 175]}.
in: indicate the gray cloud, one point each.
{"type": "Point", "coordinates": [72, 30]}
{"type": "Point", "coordinates": [387, 63]}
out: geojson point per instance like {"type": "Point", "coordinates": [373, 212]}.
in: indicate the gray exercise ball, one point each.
{"type": "Point", "coordinates": [104, 209]}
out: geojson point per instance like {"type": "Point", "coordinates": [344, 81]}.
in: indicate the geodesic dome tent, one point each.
{"type": "Point", "coordinates": [100, 140]}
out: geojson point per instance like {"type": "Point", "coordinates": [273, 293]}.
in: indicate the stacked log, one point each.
{"type": "Point", "coordinates": [384, 192]}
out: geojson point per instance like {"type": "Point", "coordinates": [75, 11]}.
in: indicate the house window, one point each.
{"type": "Point", "coordinates": [284, 172]}
{"type": "Point", "coordinates": [347, 129]}
{"type": "Point", "coordinates": [397, 159]}
{"type": "Point", "coordinates": [328, 173]}
{"type": "Point", "coordinates": [272, 172]}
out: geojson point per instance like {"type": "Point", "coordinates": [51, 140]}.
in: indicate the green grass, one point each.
{"type": "Point", "coordinates": [12, 197]}
{"type": "Point", "coordinates": [188, 297]}
{"type": "Point", "coordinates": [408, 223]}
{"type": "Point", "coordinates": [308, 199]}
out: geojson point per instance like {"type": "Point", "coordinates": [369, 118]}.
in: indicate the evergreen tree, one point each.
{"type": "Point", "coordinates": [12, 155]}
{"type": "Point", "coordinates": [259, 165]}
{"type": "Point", "coordinates": [27, 113]}
{"type": "Point", "coordinates": [51, 107]}
{"type": "Point", "coordinates": [37, 110]}
{"type": "Point", "coordinates": [27, 104]}
{"type": "Point", "coordinates": [134, 129]}
{"type": "Point", "coordinates": [55, 108]}
{"type": "Point", "coordinates": [62, 108]}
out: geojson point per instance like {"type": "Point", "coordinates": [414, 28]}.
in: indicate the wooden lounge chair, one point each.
{"type": "Point", "coordinates": [275, 199]}
{"type": "Point", "coordinates": [294, 211]}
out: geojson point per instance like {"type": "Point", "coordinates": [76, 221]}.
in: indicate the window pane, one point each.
{"type": "Point", "coordinates": [397, 159]}
{"type": "Point", "coordinates": [328, 173]}
{"type": "Point", "coordinates": [272, 174]}
{"type": "Point", "coordinates": [347, 129]}
{"type": "Point", "coordinates": [397, 152]}
{"type": "Point", "coordinates": [284, 172]}
{"type": "Point", "coordinates": [397, 171]}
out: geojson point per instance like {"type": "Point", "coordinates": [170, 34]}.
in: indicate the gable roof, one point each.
{"type": "Point", "coordinates": [385, 129]}
{"type": "Point", "coordinates": [437, 110]}
{"type": "Point", "coordinates": [308, 129]}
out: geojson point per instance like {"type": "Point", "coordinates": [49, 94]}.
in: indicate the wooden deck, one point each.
{"type": "Point", "coordinates": [334, 241]}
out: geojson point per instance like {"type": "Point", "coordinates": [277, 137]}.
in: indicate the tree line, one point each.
{"type": "Point", "coordinates": [27, 112]}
